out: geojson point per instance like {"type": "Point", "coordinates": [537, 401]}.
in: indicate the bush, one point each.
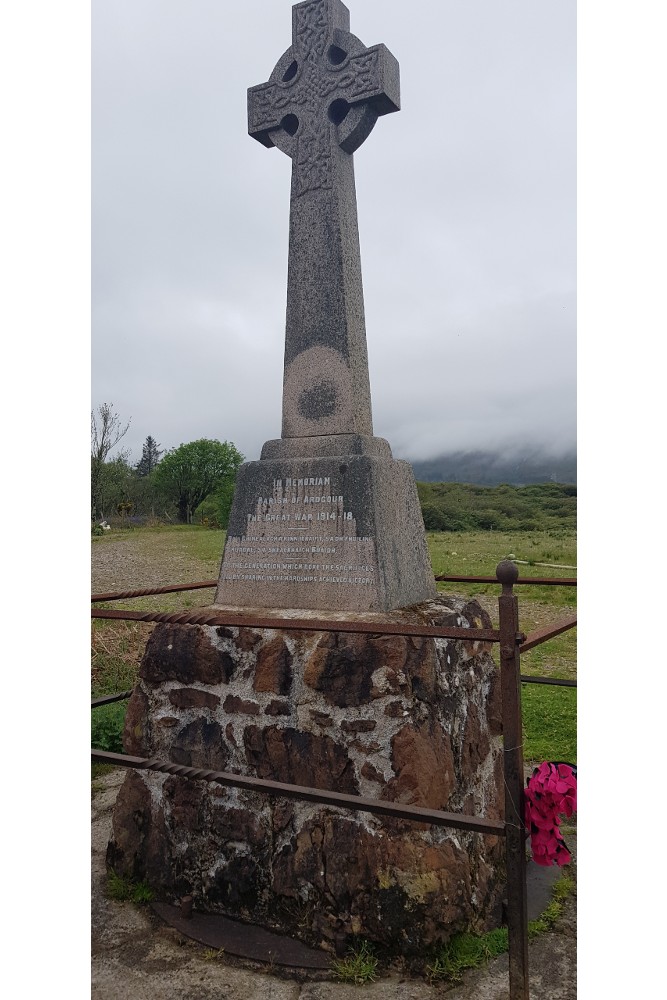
{"type": "Point", "coordinates": [106, 730]}
{"type": "Point", "coordinates": [208, 513]}
{"type": "Point", "coordinates": [467, 507]}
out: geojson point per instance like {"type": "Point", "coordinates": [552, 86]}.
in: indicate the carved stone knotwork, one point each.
{"type": "Point", "coordinates": [327, 90]}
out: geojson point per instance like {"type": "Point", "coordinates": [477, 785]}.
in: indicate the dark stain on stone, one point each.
{"type": "Point", "coordinates": [321, 718]}
{"type": "Point", "coordinates": [276, 707]}
{"type": "Point", "coordinates": [319, 400]}
{"type": "Point", "coordinates": [193, 698]}
{"type": "Point", "coordinates": [239, 884]}
{"type": "Point", "coordinates": [372, 773]}
{"type": "Point", "coordinates": [186, 802]}
{"type": "Point", "coordinates": [135, 735]}
{"type": "Point", "coordinates": [184, 653]}
{"type": "Point", "coordinates": [273, 668]}
{"type": "Point", "coordinates": [200, 744]}
{"type": "Point", "coordinates": [299, 758]}
{"type": "Point", "coordinates": [358, 725]}
{"type": "Point", "coordinates": [233, 704]}
{"type": "Point", "coordinates": [239, 825]}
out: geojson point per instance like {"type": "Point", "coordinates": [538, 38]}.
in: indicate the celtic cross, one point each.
{"type": "Point", "coordinates": [318, 106]}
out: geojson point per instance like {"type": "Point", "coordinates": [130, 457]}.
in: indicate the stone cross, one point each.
{"type": "Point", "coordinates": [320, 103]}
{"type": "Point", "coordinates": [327, 518]}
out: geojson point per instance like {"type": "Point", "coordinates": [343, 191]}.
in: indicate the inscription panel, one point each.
{"type": "Point", "coordinates": [299, 540]}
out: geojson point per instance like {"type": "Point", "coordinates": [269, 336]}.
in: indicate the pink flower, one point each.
{"type": "Point", "coordinates": [550, 791]}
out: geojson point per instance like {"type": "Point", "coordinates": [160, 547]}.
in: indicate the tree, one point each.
{"type": "Point", "coordinates": [150, 456]}
{"type": "Point", "coordinates": [106, 430]}
{"type": "Point", "coordinates": [115, 491]}
{"type": "Point", "coordinates": [190, 473]}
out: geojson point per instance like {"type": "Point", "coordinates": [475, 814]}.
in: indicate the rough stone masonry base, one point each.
{"type": "Point", "coordinates": [411, 720]}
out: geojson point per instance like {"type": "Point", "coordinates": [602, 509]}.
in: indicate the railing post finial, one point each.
{"type": "Point", "coordinates": [507, 573]}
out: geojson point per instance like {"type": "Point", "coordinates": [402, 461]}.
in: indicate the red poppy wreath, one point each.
{"type": "Point", "coordinates": [551, 791]}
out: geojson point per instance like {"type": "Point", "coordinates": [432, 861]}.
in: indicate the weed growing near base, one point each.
{"type": "Point", "coordinates": [359, 966]}
{"type": "Point", "coordinates": [214, 954]}
{"type": "Point", "coordinates": [563, 888]}
{"type": "Point", "coordinates": [123, 890]}
{"type": "Point", "coordinates": [106, 728]}
{"type": "Point", "coordinates": [466, 951]}
{"type": "Point", "coordinates": [469, 951]}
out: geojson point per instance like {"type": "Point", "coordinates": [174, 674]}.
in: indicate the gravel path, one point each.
{"type": "Point", "coordinates": [142, 561]}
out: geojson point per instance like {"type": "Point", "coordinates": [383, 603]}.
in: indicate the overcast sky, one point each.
{"type": "Point", "coordinates": [466, 203]}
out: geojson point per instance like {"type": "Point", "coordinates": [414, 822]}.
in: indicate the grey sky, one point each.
{"type": "Point", "coordinates": [466, 205]}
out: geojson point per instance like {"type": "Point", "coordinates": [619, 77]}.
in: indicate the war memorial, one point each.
{"type": "Point", "coordinates": [325, 523]}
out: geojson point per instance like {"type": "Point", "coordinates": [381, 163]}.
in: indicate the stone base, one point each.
{"type": "Point", "coordinates": [325, 446]}
{"type": "Point", "coordinates": [342, 532]}
{"type": "Point", "coordinates": [406, 719]}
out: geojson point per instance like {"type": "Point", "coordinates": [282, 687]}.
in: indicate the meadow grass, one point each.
{"type": "Point", "coordinates": [477, 553]}
{"type": "Point", "coordinates": [549, 713]}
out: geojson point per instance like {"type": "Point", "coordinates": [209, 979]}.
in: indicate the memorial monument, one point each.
{"type": "Point", "coordinates": [325, 520]}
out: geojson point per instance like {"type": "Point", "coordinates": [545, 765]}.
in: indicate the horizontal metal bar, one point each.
{"type": "Point", "coordinates": [531, 679]}
{"type": "Point", "coordinates": [209, 584]}
{"type": "Point", "coordinates": [300, 624]}
{"type": "Point", "coordinates": [548, 632]}
{"type": "Point", "coordinates": [380, 807]}
{"type": "Point", "coordinates": [109, 698]}
{"type": "Point", "coordinates": [173, 589]}
{"type": "Point", "coordinates": [535, 581]}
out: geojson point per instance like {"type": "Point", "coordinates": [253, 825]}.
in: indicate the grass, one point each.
{"type": "Point", "coordinates": [556, 658]}
{"type": "Point", "coordinates": [213, 954]}
{"type": "Point", "coordinates": [477, 553]}
{"type": "Point", "coordinates": [469, 951]}
{"type": "Point", "coordinates": [106, 727]}
{"type": "Point", "coordinates": [178, 553]}
{"type": "Point", "coordinates": [549, 723]}
{"type": "Point", "coordinates": [563, 888]}
{"type": "Point", "coordinates": [358, 967]}
{"type": "Point", "coordinates": [123, 890]}
{"type": "Point", "coordinates": [466, 951]}
{"type": "Point", "coordinates": [117, 648]}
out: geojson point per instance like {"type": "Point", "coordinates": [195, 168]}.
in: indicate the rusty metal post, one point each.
{"type": "Point", "coordinates": [515, 839]}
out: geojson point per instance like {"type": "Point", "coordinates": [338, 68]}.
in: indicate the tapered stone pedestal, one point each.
{"type": "Point", "coordinates": [342, 532]}
{"type": "Point", "coordinates": [406, 719]}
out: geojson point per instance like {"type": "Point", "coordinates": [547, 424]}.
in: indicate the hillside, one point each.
{"type": "Point", "coordinates": [492, 469]}
{"type": "Point", "coordinates": [466, 507]}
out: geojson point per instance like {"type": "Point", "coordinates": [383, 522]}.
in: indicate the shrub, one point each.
{"type": "Point", "coordinates": [106, 730]}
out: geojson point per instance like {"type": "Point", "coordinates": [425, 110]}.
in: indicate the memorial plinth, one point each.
{"type": "Point", "coordinates": [409, 720]}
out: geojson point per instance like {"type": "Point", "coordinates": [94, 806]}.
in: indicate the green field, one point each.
{"type": "Point", "coordinates": [142, 557]}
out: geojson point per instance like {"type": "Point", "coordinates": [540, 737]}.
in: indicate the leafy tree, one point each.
{"type": "Point", "coordinates": [190, 473]}
{"type": "Point", "coordinates": [150, 456]}
{"type": "Point", "coordinates": [115, 488]}
{"type": "Point", "coordinates": [106, 430]}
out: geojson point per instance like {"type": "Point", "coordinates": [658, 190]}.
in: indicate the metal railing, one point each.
{"type": "Point", "coordinates": [512, 643]}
